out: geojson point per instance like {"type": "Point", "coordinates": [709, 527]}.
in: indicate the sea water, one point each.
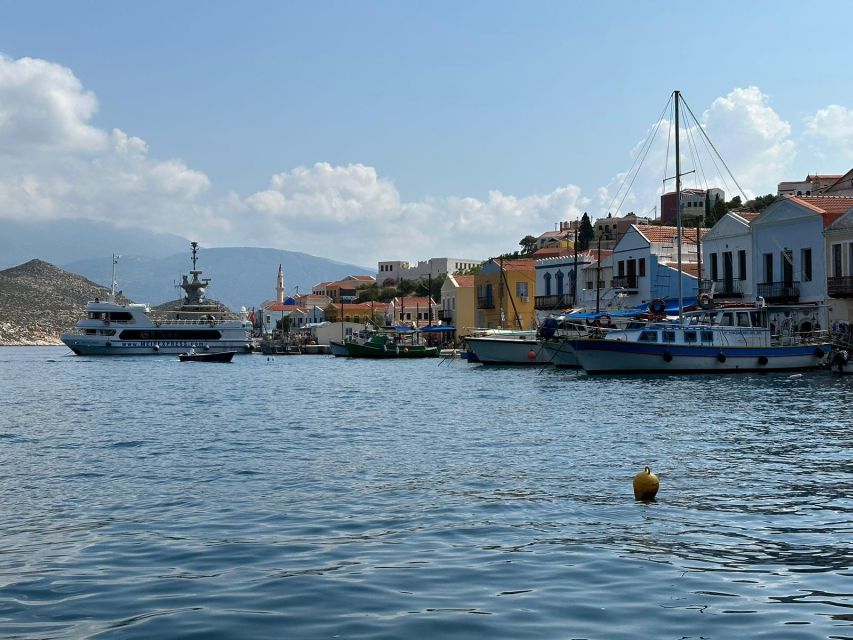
{"type": "Point", "coordinates": [314, 497]}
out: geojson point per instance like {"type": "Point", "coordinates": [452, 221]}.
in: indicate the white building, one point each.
{"type": "Point", "coordinates": [392, 271]}
{"type": "Point", "coordinates": [727, 258]}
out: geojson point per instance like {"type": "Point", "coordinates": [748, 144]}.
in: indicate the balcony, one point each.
{"type": "Point", "coordinates": [558, 301]}
{"type": "Point", "coordinates": [485, 303]}
{"type": "Point", "coordinates": [624, 282]}
{"type": "Point", "coordinates": [841, 287]}
{"type": "Point", "coordinates": [779, 292]}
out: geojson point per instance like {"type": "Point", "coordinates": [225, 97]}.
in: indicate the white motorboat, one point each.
{"type": "Point", "coordinates": [111, 328]}
{"type": "Point", "coordinates": [506, 348]}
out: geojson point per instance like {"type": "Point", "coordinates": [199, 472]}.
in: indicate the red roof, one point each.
{"type": "Point", "coordinates": [524, 264]}
{"type": "Point", "coordinates": [654, 233]}
{"type": "Point", "coordinates": [414, 302]}
{"type": "Point", "coordinates": [464, 281]}
{"type": "Point", "coordinates": [830, 207]}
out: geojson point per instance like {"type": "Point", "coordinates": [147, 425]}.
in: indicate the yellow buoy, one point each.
{"type": "Point", "coordinates": [646, 485]}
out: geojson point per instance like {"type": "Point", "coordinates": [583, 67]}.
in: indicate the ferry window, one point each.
{"type": "Point", "coordinates": [754, 317]}
{"type": "Point", "coordinates": [689, 336]}
{"type": "Point", "coordinates": [743, 319]}
{"type": "Point", "coordinates": [726, 320]}
{"type": "Point", "coordinates": [649, 336]}
{"type": "Point", "coordinates": [707, 336]}
{"type": "Point", "coordinates": [669, 336]}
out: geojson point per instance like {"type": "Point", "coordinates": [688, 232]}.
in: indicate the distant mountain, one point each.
{"type": "Point", "coordinates": [38, 301]}
{"type": "Point", "coordinates": [239, 276]}
{"type": "Point", "coordinates": [152, 263]}
{"type": "Point", "coordinates": [63, 241]}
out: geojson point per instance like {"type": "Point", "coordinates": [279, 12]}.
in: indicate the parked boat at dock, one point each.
{"type": "Point", "coordinates": [506, 348]}
{"type": "Point", "coordinates": [110, 328]}
{"type": "Point", "coordinates": [745, 338]}
{"type": "Point", "coordinates": [391, 345]}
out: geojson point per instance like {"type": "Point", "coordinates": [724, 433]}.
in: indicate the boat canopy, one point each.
{"type": "Point", "coordinates": [438, 328]}
{"type": "Point", "coordinates": [671, 309]}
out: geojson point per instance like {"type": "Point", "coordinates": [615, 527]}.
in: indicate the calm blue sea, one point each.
{"type": "Point", "coordinates": [313, 497]}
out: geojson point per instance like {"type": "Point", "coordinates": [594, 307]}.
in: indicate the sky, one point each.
{"type": "Point", "coordinates": [367, 131]}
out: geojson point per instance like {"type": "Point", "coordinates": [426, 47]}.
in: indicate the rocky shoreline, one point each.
{"type": "Point", "coordinates": [39, 301]}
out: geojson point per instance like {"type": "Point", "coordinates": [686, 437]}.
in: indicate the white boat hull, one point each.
{"type": "Point", "coordinates": [607, 356]}
{"type": "Point", "coordinates": [508, 351]}
{"type": "Point", "coordinates": [97, 346]}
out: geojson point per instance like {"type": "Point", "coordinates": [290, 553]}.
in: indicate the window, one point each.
{"type": "Point", "coordinates": [521, 289]}
{"type": "Point", "coordinates": [836, 261]}
{"type": "Point", "coordinates": [806, 259]}
{"type": "Point", "coordinates": [727, 320]}
{"type": "Point", "coordinates": [689, 336]}
{"type": "Point", "coordinates": [621, 264]}
{"type": "Point", "coordinates": [743, 318]}
{"type": "Point", "coordinates": [547, 284]}
{"type": "Point", "coordinates": [642, 267]}
{"type": "Point", "coordinates": [741, 264]}
{"type": "Point", "coordinates": [669, 336]}
{"type": "Point", "coordinates": [768, 267]}
{"type": "Point", "coordinates": [714, 267]}
{"type": "Point", "coordinates": [707, 336]}
{"type": "Point", "coordinates": [648, 336]}
{"type": "Point", "coordinates": [560, 277]}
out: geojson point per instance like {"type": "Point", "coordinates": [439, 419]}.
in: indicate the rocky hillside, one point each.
{"type": "Point", "coordinates": [38, 301]}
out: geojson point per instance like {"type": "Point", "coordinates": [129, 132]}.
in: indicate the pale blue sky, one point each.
{"type": "Point", "coordinates": [442, 99]}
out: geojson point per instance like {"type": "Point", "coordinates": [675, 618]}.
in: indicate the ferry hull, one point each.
{"type": "Point", "coordinates": [83, 346]}
{"type": "Point", "coordinates": [507, 351]}
{"type": "Point", "coordinates": [607, 356]}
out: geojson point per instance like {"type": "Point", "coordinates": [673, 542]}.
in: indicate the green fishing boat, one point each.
{"type": "Point", "coordinates": [384, 345]}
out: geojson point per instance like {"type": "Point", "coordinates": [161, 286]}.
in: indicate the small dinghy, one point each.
{"type": "Point", "coordinates": [216, 356]}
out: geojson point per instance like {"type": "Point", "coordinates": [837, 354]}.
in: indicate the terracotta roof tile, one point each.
{"type": "Point", "coordinates": [464, 281]}
{"type": "Point", "coordinates": [830, 207]}
{"type": "Point", "coordinates": [654, 233]}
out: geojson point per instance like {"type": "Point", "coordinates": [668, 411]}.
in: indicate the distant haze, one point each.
{"type": "Point", "coordinates": [151, 264]}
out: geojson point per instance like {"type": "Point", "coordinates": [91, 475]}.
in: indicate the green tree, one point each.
{"type": "Point", "coordinates": [368, 293]}
{"type": "Point", "coordinates": [528, 244]}
{"type": "Point", "coordinates": [734, 203]}
{"type": "Point", "coordinates": [586, 233]}
{"type": "Point", "coordinates": [716, 212]}
{"type": "Point", "coordinates": [761, 202]}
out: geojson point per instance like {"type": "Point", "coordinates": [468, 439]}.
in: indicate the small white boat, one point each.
{"type": "Point", "coordinates": [506, 348]}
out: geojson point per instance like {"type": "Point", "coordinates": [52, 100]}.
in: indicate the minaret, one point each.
{"type": "Point", "coordinates": [279, 287]}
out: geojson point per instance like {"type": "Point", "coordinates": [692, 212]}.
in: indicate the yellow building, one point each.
{"type": "Point", "coordinates": [459, 304]}
{"type": "Point", "coordinates": [506, 294]}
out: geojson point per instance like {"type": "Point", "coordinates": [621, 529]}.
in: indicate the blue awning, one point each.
{"type": "Point", "coordinates": [439, 328]}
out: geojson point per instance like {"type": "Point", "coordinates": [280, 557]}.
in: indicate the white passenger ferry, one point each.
{"type": "Point", "coordinates": [110, 328]}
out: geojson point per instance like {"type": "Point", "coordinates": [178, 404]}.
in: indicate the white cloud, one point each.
{"type": "Point", "coordinates": [829, 135]}
{"type": "Point", "coordinates": [349, 212]}
{"type": "Point", "coordinates": [754, 142]}
{"type": "Point", "coordinates": [54, 163]}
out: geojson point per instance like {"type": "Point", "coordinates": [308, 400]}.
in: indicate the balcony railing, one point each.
{"type": "Point", "coordinates": [485, 303]}
{"type": "Point", "coordinates": [624, 282]}
{"type": "Point", "coordinates": [779, 292]}
{"type": "Point", "coordinates": [557, 301]}
{"type": "Point", "coordinates": [841, 287]}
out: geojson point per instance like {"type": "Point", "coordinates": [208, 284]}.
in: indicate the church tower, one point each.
{"type": "Point", "coordinates": [279, 287]}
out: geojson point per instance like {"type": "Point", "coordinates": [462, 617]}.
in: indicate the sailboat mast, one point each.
{"type": "Point", "coordinates": [677, 95]}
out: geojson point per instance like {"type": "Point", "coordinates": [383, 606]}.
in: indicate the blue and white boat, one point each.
{"type": "Point", "coordinates": [745, 338]}
{"type": "Point", "coordinates": [111, 329]}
